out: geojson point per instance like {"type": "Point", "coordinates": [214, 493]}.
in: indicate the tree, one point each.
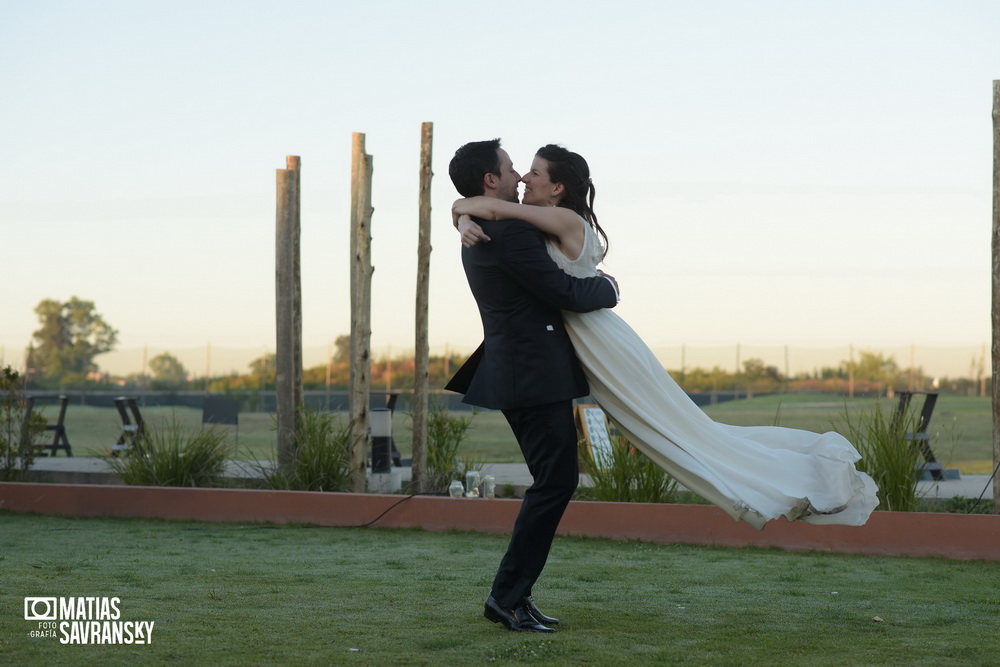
{"type": "Point", "coordinates": [71, 336]}
{"type": "Point", "coordinates": [342, 354]}
{"type": "Point", "coordinates": [759, 377]}
{"type": "Point", "coordinates": [167, 370]}
{"type": "Point", "coordinates": [874, 368]}
{"type": "Point", "coordinates": [265, 369]}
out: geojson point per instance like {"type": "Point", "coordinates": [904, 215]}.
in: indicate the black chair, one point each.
{"type": "Point", "coordinates": [920, 436]}
{"type": "Point", "coordinates": [220, 410]}
{"type": "Point", "coordinates": [133, 429]}
{"type": "Point", "coordinates": [59, 439]}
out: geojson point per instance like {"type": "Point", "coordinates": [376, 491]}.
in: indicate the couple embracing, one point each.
{"type": "Point", "coordinates": [550, 336]}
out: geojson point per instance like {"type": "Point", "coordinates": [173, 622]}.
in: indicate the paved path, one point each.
{"type": "Point", "coordinates": [80, 469]}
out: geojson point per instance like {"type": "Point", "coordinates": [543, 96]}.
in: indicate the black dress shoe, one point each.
{"type": "Point", "coordinates": [529, 602]}
{"type": "Point", "coordinates": [518, 619]}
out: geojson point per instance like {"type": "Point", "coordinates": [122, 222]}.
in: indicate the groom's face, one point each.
{"type": "Point", "coordinates": [509, 179]}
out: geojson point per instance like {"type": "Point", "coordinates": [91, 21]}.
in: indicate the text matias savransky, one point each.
{"type": "Point", "coordinates": [85, 620]}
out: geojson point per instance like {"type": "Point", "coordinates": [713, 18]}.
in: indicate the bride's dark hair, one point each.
{"type": "Point", "coordinates": [572, 171]}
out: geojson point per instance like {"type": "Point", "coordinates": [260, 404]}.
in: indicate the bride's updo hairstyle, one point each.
{"type": "Point", "coordinates": [572, 171]}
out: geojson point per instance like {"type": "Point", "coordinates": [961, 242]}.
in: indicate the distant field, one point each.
{"type": "Point", "coordinates": [92, 431]}
{"type": "Point", "coordinates": [961, 428]}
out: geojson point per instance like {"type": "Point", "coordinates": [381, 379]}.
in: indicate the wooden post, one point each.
{"type": "Point", "coordinates": [910, 386]}
{"type": "Point", "coordinates": [361, 293]}
{"type": "Point", "coordinates": [787, 376]}
{"type": "Point", "coordinates": [995, 385]}
{"type": "Point", "coordinates": [294, 164]}
{"type": "Point", "coordinates": [736, 375]}
{"type": "Point", "coordinates": [288, 312]}
{"type": "Point", "coordinates": [850, 375]}
{"type": "Point", "coordinates": [329, 376]}
{"type": "Point", "coordinates": [208, 365]}
{"type": "Point", "coordinates": [421, 382]}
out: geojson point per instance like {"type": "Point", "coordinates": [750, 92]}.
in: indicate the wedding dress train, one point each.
{"type": "Point", "coordinates": [754, 473]}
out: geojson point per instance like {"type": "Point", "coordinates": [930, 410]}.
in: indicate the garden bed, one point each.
{"type": "Point", "coordinates": [955, 536]}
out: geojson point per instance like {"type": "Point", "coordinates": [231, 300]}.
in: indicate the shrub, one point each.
{"type": "Point", "coordinates": [886, 454]}
{"type": "Point", "coordinates": [167, 456]}
{"type": "Point", "coordinates": [623, 474]}
{"type": "Point", "coordinates": [16, 434]}
{"type": "Point", "coordinates": [445, 433]}
{"type": "Point", "coordinates": [322, 456]}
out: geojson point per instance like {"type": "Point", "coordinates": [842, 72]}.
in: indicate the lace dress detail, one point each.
{"type": "Point", "coordinates": [584, 266]}
{"type": "Point", "coordinates": [754, 473]}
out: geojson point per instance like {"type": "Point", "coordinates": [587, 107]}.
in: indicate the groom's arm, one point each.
{"type": "Point", "coordinates": [528, 263]}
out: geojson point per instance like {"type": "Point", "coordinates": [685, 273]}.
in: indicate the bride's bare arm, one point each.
{"type": "Point", "coordinates": [561, 223]}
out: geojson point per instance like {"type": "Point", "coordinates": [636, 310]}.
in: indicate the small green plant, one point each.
{"type": "Point", "coordinates": [16, 432]}
{"type": "Point", "coordinates": [322, 456]}
{"type": "Point", "coordinates": [167, 456]}
{"type": "Point", "coordinates": [886, 454]}
{"type": "Point", "coordinates": [445, 433]}
{"type": "Point", "coordinates": [956, 505]}
{"type": "Point", "coordinates": [623, 474]}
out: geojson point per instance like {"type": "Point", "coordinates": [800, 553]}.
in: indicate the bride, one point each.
{"type": "Point", "coordinates": [754, 473]}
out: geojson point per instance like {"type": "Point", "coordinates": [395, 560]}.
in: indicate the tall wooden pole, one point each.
{"type": "Point", "coordinates": [294, 164]}
{"type": "Point", "coordinates": [288, 312]}
{"type": "Point", "coordinates": [208, 365]}
{"type": "Point", "coordinates": [850, 375]}
{"type": "Point", "coordinates": [361, 293]}
{"type": "Point", "coordinates": [996, 293]}
{"type": "Point", "coordinates": [421, 381]}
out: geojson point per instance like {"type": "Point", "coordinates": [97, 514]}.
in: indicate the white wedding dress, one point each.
{"type": "Point", "coordinates": [754, 473]}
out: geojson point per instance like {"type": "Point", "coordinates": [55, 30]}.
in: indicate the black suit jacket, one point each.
{"type": "Point", "coordinates": [526, 358]}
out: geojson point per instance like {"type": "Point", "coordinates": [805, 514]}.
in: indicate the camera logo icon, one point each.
{"type": "Point", "coordinates": [40, 609]}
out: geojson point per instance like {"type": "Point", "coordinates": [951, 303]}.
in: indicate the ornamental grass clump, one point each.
{"type": "Point", "coordinates": [322, 459]}
{"type": "Point", "coordinates": [169, 456]}
{"type": "Point", "coordinates": [887, 454]}
{"type": "Point", "coordinates": [16, 432]}
{"type": "Point", "coordinates": [445, 434]}
{"type": "Point", "coordinates": [623, 474]}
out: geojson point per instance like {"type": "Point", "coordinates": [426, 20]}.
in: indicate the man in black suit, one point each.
{"type": "Point", "coordinates": [526, 367]}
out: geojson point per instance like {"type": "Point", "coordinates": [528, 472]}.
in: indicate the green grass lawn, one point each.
{"type": "Point", "coordinates": [93, 430]}
{"type": "Point", "coordinates": [237, 594]}
{"type": "Point", "coordinates": [961, 426]}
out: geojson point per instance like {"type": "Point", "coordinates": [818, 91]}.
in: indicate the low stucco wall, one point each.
{"type": "Point", "coordinates": [956, 536]}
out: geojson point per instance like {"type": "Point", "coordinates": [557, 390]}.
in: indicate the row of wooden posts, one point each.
{"type": "Point", "coordinates": [996, 296]}
{"type": "Point", "coordinates": [288, 313]}
{"type": "Point", "coordinates": [289, 307]}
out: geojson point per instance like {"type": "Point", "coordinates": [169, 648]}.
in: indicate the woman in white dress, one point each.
{"type": "Point", "coordinates": [754, 473]}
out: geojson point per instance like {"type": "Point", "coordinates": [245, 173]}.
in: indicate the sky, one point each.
{"type": "Point", "coordinates": [806, 174]}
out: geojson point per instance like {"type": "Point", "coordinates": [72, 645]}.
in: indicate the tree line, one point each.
{"type": "Point", "coordinates": [72, 334]}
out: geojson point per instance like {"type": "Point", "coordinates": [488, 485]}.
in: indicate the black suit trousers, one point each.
{"type": "Point", "coordinates": [547, 437]}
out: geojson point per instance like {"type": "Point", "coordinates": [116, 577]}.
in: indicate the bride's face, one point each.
{"type": "Point", "coordinates": [539, 190]}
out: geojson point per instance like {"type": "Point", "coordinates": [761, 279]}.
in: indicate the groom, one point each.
{"type": "Point", "coordinates": [526, 367]}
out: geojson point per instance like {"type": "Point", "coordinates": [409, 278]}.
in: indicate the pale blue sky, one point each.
{"type": "Point", "coordinates": [770, 173]}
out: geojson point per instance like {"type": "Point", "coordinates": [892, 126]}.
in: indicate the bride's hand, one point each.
{"type": "Point", "coordinates": [471, 232]}
{"type": "Point", "coordinates": [612, 279]}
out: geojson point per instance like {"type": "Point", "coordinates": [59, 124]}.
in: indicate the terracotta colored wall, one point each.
{"type": "Point", "coordinates": [887, 533]}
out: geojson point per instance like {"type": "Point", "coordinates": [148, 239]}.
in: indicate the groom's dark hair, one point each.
{"type": "Point", "coordinates": [471, 162]}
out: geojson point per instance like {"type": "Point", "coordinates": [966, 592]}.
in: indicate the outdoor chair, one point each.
{"type": "Point", "coordinates": [133, 429]}
{"type": "Point", "coordinates": [920, 438]}
{"type": "Point", "coordinates": [219, 410]}
{"type": "Point", "coordinates": [59, 439]}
